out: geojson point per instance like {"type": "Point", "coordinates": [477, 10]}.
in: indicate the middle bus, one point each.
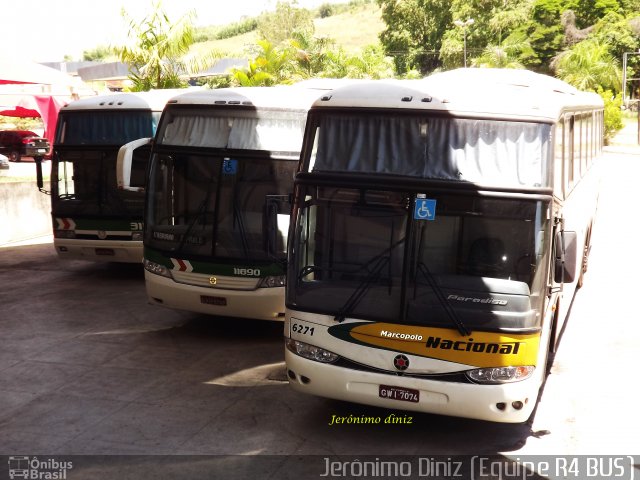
{"type": "Point", "coordinates": [218, 200]}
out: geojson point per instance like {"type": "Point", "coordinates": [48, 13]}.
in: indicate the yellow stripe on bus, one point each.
{"type": "Point", "coordinates": [480, 349]}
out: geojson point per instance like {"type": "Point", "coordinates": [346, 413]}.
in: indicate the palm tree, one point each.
{"type": "Point", "coordinates": [588, 65]}
{"type": "Point", "coordinates": [271, 66]}
{"type": "Point", "coordinates": [157, 45]}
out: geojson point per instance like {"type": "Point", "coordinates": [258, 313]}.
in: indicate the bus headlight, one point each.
{"type": "Point", "coordinates": [136, 236]}
{"type": "Point", "coordinates": [310, 352]}
{"type": "Point", "coordinates": [272, 282]}
{"type": "Point", "coordinates": [156, 268]}
{"type": "Point", "coordinates": [495, 375]}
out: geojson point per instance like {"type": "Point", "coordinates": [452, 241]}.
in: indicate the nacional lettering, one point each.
{"type": "Point", "coordinates": [506, 348]}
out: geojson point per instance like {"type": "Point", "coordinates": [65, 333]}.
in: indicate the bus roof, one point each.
{"type": "Point", "coordinates": [481, 92]}
{"type": "Point", "coordinates": [277, 97]}
{"type": "Point", "coordinates": [154, 100]}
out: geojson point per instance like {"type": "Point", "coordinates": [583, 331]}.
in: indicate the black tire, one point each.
{"type": "Point", "coordinates": [585, 260]}
{"type": "Point", "coordinates": [14, 156]}
{"type": "Point", "coordinates": [552, 346]}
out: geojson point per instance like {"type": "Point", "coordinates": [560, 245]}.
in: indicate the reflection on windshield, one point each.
{"type": "Point", "coordinates": [474, 265]}
{"type": "Point", "coordinates": [235, 208]}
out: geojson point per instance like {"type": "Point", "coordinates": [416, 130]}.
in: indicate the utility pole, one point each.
{"type": "Point", "coordinates": [464, 25]}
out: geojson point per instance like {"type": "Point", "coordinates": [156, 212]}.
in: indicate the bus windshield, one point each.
{"type": "Point", "coordinates": [83, 181]}
{"type": "Point", "coordinates": [362, 253]}
{"type": "Point", "coordinates": [105, 127]}
{"type": "Point", "coordinates": [220, 181]}
{"type": "Point", "coordinates": [211, 205]}
{"type": "Point", "coordinates": [83, 173]}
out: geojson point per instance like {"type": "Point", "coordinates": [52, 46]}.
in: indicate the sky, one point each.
{"type": "Point", "coordinates": [69, 27]}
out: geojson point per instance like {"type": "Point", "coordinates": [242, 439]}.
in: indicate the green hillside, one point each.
{"type": "Point", "coordinates": [359, 25]}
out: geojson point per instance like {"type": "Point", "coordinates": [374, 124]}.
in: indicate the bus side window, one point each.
{"type": "Point", "coordinates": [558, 168]}
{"type": "Point", "coordinates": [568, 155]}
{"type": "Point", "coordinates": [577, 149]}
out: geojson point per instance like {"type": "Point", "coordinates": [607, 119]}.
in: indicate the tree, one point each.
{"type": "Point", "coordinates": [414, 32]}
{"type": "Point", "coordinates": [271, 66]}
{"type": "Point", "coordinates": [422, 33]}
{"type": "Point", "coordinates": [312, 54]}
{"type": "Point", "coordinates": [99, 53]}
{"type": "Point", "coordinates": [278, 26]}
{"type": "Point", "coordinates": [505, 55]}
{"type": "Point", "coordinates": [157, 45]}
{"type": "Point", "coordinates": [588, 65]}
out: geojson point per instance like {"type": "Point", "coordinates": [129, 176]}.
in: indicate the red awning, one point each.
{"type": "Point", "coordinates": [44, 106]}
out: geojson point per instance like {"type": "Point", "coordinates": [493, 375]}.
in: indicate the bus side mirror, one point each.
{"type": "Point", "coordinates": [39, 180]}
{"type": "Point", "coordinates": [566, 256]}
{"type": "Point", "coordinates": [277, 212]}
{"type": "Point", "coordinates": [123, 164]}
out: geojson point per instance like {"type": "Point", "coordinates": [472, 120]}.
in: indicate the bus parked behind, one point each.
{"type": "Point", "coordinates": [218, 200]}
{"type": "Point", "coordinates": [92, 218]}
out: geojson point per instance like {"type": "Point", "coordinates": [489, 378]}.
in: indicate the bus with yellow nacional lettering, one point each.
{"type": "Point", "coordinates": [440, 228]}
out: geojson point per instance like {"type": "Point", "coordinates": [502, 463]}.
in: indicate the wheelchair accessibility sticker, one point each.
{"type": "Point", "coordinates": [425, 209]}
{"type": "Point", "coordinates": [229, 166]}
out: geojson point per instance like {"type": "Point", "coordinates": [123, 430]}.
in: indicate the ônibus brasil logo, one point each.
{"type": "Point", "coordinates": [38, 469]}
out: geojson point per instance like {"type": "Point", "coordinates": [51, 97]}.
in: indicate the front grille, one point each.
{"type": "Point", "coordinates": [88, 236]}
{"type": "Point", "coordinates": [457, 377]}
{"type": "Point", "coordinates": [206, 280]}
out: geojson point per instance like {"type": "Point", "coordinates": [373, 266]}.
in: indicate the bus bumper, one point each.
{"type": "Point", "coordinates": [259, 304]}
{"type": "Point", "coordinates": [99, 250]}
{"type": "Point", "coordinates": [493, 403]}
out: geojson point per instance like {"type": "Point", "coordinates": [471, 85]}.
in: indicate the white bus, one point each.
{"type": "Point", "coordinates": [218, 200]}
{"type": "Point", "coordinates": [92, 218]}
{"type": "Point", "coordinates": [439, 230]}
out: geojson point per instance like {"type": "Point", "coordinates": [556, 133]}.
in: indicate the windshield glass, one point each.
{"type": "Point", "coordinates": [482, 151]}
{"type": "Point", "coordinates": [204, 205]}
{"type": "Point", "coordinates": [83, 182]}
{"type": "Point", "coordinates": [367, 254]}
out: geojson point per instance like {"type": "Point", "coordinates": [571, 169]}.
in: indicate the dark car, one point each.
{"type": "Point", "coordinates": [16, 144]}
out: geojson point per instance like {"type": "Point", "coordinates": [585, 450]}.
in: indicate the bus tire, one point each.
{"type": "Point", "coordinates": [552, 346]}
{"type": "Point", "coordinates": [585, 259]}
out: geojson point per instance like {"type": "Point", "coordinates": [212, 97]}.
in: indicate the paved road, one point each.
{"type": "Point", "coordinates": [87, 367]}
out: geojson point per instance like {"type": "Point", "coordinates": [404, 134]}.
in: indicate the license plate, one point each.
{"type": "Point", "coordinates": [42, 150]}
{"type": "Point", "coordinates": [221, 301]}
{"type": "Point", "coordinates": [399, 393]}
{"type": "Point", "coordinates": [108, 252]}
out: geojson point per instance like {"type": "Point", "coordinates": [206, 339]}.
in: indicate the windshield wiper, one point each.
{"type": "Point", "coordinates": [202, 209]}
{"type": "Point", "coordinates": [358, 293]}
{"type": "Point", "coordinates": [237, 219]}
{"type": "Point", "coordinates": [449, 310]}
